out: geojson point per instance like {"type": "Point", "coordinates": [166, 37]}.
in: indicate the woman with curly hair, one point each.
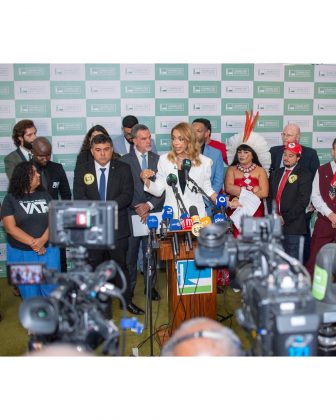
{"type": "Point", "coordinates": [184, 146]}
{"type": "Point", "coordinates": [24, 213]}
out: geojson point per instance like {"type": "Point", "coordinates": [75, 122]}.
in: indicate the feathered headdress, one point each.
{"type": "Point", "coordinates": [252, 139]}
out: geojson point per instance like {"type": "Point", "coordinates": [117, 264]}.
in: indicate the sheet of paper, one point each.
{"type": "Point", "coordinates": [141, 229]}
{"type": "Point", "coordinates": [250, 202]}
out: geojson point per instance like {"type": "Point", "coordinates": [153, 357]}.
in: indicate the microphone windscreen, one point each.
{"type": "Point", "coordinates": [221, 201]}
{"type": "Point", "coordinates": [175, 224]}
{"type": "Point", "coordinates": [218, 218]}
{"type": "Point", "coordinates": [193, 211]}
{"type": "Point", "coordinates": [152, 222]}
{"type": "Point", "coordinates": [186, 165]}
{"type": "Point", "coordinates": [206, 221]}
{"type": "Point", "coordinates": [171, 179]}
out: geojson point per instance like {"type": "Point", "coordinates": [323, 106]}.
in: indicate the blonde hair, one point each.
{"type": "Point", "coordinates": [187, 133]}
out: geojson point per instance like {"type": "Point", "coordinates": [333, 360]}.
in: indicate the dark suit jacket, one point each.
{"type": "Point", "coordinates": [120, 188]}
{"type": "Point", "coordinates": [11, 160]}
{"type": "Point", "coordinates": [58, 184]}
{"type": "Point", "coordinates": [309, 159]}
{"type": "Point", "coordinates": [141, 196]}
{"type": "Point", "coordinates": [294, 199]}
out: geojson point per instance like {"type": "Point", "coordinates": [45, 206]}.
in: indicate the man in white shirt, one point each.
{"type": "Point", "coordinates": [24, 133]}
{"type": "Point", "coordinates": [324, 201]}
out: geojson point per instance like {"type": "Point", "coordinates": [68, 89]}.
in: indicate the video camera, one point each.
{"type": "Point", "coordinates": [277, 309]}
{"type": "Point", "coordinates": [78, 310]}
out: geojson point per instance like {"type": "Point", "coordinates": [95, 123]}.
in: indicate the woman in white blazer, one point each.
{"type": "Point", "coordinates": [184, 146]}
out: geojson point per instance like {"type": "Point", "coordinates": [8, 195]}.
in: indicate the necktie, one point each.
{"type": "Point", "coordinates": [44, 180]}
{"type": "Point", "coordinates": [332, 188]}
{"type": "Point", "coordinates": [144, 162]}
{"type": "Point", "coordinates": [281, 188]}
{"type": "Point", "coordinates": [30, 156]}
{"type": "Point", "coordinates": [102, 184]}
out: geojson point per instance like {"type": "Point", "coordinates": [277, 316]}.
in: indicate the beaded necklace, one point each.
{"type": "Point", "coordinates": [246, 170]}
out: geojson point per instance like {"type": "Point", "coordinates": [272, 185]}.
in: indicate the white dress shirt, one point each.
{"type": "Point", "coordinates": [316, 197]}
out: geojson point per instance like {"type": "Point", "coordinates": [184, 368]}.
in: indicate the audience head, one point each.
{"type": "Point", "coordinates": [291, 134]}
{"type": "Point", "coordinates": [94, 131]}
{"type": "Point", "coordinates": [141, 138]}
{"type": "Point", "coordinates": [202, 337]}
{"type": "Point", "coordinates": [292, 154]}
{"type": "Point", "coordinates": [41, 151]}
{"type": "Point", "coordinates": [252, 156]}
{"type": "Point", "coordinates": [128, 123]}
{"type": "Point", "coordinates": [25, 179]}
{"type": "Point", "coordinates": [59, 350]}
{"type": "Point", "coordinates": [24, 133]}
{"type": "Point", "coordinates": [102, 149]}
{"type": "Point", "coordinates": [202, 128]}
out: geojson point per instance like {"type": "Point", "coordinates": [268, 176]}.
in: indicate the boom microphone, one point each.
{"type": "Point", "coordinates": [172, 181]}
{"type": "Point", "coordinates": [186, 166]}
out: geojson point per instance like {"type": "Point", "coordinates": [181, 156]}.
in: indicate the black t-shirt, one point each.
{"type": "Point", "coordinates": [30, 213]}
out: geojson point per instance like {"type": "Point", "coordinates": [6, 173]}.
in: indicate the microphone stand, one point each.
{"type": "Point", "coordinates": [182, 209]}
{"type": "Point", "coordinates": [151, 275]}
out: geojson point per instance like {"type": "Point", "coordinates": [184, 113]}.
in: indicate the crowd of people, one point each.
{"type": "Point", "coordinates": [287, 179]}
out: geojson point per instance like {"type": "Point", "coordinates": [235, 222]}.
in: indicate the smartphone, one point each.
{"type": "Point", "coordinates": [25, 273]}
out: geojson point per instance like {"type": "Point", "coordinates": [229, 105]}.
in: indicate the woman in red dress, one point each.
{"type": "Point", "coordinates": [246, 172]}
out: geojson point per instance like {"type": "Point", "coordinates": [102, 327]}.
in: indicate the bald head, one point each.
{"type": "Point", "coordinates": [202, 337]}
{"type": "Point", "coordinates": [41, 151]}
{"type": "Point", "coordinates": [59, 350]}
{"type": "Point", "coordinates": [291, 133]}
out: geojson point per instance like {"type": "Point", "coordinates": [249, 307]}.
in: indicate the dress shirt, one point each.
{"type": "Point", "coordinates": [26, 153]}
{"type": "Point", "coordinates": [316, 197]}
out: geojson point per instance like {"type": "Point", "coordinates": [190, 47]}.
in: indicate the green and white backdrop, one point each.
{"type": "Point", "coordinates": [65, 100]}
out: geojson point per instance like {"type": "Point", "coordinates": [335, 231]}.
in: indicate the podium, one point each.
{"type": "Point", "coordinates": [196, 299]}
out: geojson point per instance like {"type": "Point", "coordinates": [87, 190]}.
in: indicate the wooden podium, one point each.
{"type": "Point", "coordinates": [183, 307]}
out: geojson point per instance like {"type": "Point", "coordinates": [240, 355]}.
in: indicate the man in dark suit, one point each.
{"type": "Point", "coordinates": [309, 160]}
{"type": "Point", "coordinates": [105, 178]}
{"type": "Point", "coordinates": [53, 178]}
{"type": "Point", "coordinates": [24, 133]}
{"type": "Point", "coordinates": [141, 157]}
{"type": "Point", "coordinates": [291, 187]}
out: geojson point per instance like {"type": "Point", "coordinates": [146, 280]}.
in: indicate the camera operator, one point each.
{"type": "Point", "coordinates": [106, 178]}
{"type": "Point", "coordinates": [202, 337]}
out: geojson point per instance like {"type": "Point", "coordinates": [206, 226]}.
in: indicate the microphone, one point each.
{"type": "Point", "coordinates": [186, 166]}
{"type": "Point", "coordinates": [218, 218]}
{"type": "Point", "coordinates": [186, 221]}
{"type": "Point", "coordinates": [172, 181]}
{"type": "Point", "coordinates": [206, 221]}
{"type": "Point", "coordinates": [167, 215]}
{"type": "Point", "coordinates": [175, 225]}
{"type": "Point", "coordinates": [221, 203]}
{"type": "Point", "coordinates": [197, 225]}
{"type": "Point", "coordinates": [152, 224]}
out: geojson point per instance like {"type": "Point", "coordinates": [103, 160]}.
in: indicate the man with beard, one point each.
{"type": "Point", "coordinates": [24, 133]}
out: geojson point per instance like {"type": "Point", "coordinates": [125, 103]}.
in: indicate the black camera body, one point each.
{"type": "Point", "coordinates": [277, 306]}
{"type": "Point", "coordinates": [78, 311]}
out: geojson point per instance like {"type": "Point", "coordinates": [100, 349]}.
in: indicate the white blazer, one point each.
{"type": "Point", "coordinates": [200, 174]}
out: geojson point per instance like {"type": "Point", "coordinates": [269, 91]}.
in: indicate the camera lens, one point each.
{"type": "Point", "coordinates": [213, 236]}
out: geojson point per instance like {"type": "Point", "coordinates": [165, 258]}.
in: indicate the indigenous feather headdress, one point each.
{"type": "Point", "coordinates": [252, 139]}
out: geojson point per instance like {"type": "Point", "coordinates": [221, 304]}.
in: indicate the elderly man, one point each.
{"type": "Point", "coordinates": [202, 337]}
